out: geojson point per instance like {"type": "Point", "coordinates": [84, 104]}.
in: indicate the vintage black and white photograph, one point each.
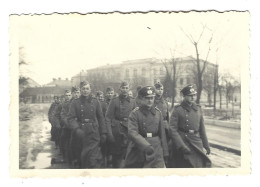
{"type": "Point", "coordinates": [128, 91]}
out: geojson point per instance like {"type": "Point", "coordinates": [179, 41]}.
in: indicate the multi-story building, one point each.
{"type": "Point", "coordinates": [151, 70]}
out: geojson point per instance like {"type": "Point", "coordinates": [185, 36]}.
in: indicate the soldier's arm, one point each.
{"type": "Point", "coordinates": [203, 134]}
{"type": "Point", "coordinates": [133, 132]}
{"type": "Point", "coordinates": [50, 112]}
{"type": "Point", "coordinates": [163, 137]}
{"type": "Point", "coordinates": [100, 118]}
{"type": "Point", "coordinates": [173, 129]}
{"type": "Point", "coordinates": [72, 116]}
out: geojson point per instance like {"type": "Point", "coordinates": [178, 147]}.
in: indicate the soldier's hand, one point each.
{"type": "Point", "coordinates": [110, 138]}
{"type": "Point", "coordinates": [208, 151]}
{"type": "Point", "coordinates": [103, 138]}
{"type": "Point", "coordinates": [149, 150]}
{"type": "Point", "coordinates": [149, 153]}
{"type": "Point", "coordinates": [186, 150]}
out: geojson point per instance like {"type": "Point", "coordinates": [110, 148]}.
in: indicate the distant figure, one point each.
{"type": "Point", "coordinates": [54, 119]}
{"type": "Point", "coordinates": [65, 131]}
{"type": "Point", "coordinates": [100, 96]}
{"type": "Point", "coordinates": [137, 99]}
{"type": "Point", "coordinates": [147, 146]}
{"type": "Point", "coordinates": [107, 158]}
{"type": "Point", "coordinates": [188, 133]}
{"type": "Point", "coordinates": [116, 120]}
{"type": "Point", "coordinates": [130, 93]}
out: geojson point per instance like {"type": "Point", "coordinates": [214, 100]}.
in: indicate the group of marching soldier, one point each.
{"type": "Point", "coordinates": [119, 131]}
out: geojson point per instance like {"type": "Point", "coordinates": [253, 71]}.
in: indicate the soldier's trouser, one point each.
{"type": "Point", "coordinates": [118, 160]}
{"type": "Point", "coordinates": [75, 145]}
{"type": "Point", "coordinates": [64, 142]}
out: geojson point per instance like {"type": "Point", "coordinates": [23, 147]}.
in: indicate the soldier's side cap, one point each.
{"type": "Point", "coordinates": [83, 83]}
{"type": "Point", "coordinates": [67, 91]}
{"type": "Point", "coordinates": [124, 83]}
{"type": "Point", "coordinates": [188, 90]}
{"type": "Point", "coordinates": [147, 91]}
{"type": "Point", "coordinates": [75, 88]}
{"type": "Point", "coordinates": [109, 89]}
{"type": "Point", "coordinates": [99, 93]}
{"type": "Point", "coordinates": [158, 85]}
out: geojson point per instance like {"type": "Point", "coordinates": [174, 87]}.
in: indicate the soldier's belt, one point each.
{"type": "Point", "coordinates": [87, 122]}
{"type": "Point", "coordinates": [188, 131]}
{"type": "Point", "coordinates": [149, 135]}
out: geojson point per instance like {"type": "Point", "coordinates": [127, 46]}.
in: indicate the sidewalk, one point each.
{"type": "Point", "coordinates": [222, 123]}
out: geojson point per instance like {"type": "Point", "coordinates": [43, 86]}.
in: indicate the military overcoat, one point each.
{"type": "Point", "coordinates": [116, 120]}
{"type": "Point", "coordinates": [187, 129]}
{"type": "Point", "coordinates": [86, 114]}
{"type": "Point", "coordinates": [145, 129]}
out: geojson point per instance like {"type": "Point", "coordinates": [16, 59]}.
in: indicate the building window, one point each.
{"type": "Point", "coordinates": [188, 80]}
{"type": "Point", "coordinates": [135, 72]}
{"type": "Point", "coordinates": [181, 81]}
{"type": "Point", "coordinates": [161, 71]}
{"type": "Point", "coordinates": [155, 71]}
{"type": "Point", "coordinates": [143, 71]}
{"type": "Point", "coordinates": [127, 72]}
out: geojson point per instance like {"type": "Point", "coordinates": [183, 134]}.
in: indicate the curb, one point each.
{"type": "Point", "coordinates": [224, 148]}
{"type": "Point", "coordinates": [226, 124]}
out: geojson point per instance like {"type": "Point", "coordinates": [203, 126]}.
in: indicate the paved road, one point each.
{"type": "Point", "coordinates": [216, 134]}
{"type": "Point", "coordinates": [228, 137]}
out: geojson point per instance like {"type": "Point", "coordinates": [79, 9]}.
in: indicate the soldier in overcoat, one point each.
{"type": "Point", "coordinates": [116, 120]}
{"type": "Point", "coordinates": [86, 118]}
{"type": "Point", "coordinates": [54, 119]}
{"type": "Point", "coordinates": [147, 141]}
{"type": "Point", "coordinates": [107, 158]}
{"type": "Point", "coordinates": [163, 106]}
{"type": "Point", "coordinates": [188, 133]}
{"type": "Point", "coordinates": [65, 131]}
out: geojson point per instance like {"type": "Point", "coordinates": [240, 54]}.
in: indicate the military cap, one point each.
{"type": "Point", "coordinates": [158, 85]}
{"type": "Point", "coordinates": [188, 90]}
{"type": "Point", "coordinates": [124, 83]}
{"type": "Point", "coordinates": [109, 89]}
{"type": "Point", "coordinates": [147, 91]}
{"type": "Point", "coordinates": [83, 83]}
{"type": "Point", "coordinates": [74, 88]}
{"type": "Point", "coordinates": [98, 93]}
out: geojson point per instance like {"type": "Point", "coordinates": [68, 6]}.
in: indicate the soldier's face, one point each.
{"type": "Point", "coordinates": [101, 98]}
{"type": "Point", "coordinates": [130, 93]}
{"type": "Point", "coordinates": [76, 94]}
{"type": "Point", "coordinates": [124, 90]}
{"type": "Point", "coordinates": [189, 98]}
{"type": "Point", "coordinates": [85, 90]}
{"type": "Point", "coordinates": [148, 101]}
{"type": "Point", "coordinates": [67, 96]}
{"type": "Point", "coordinates": [159, 91]}
{"type": "Point", "coordinates": [110, 94]}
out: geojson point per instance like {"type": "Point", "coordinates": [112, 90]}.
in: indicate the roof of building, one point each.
{"type": "Point", "coordinates": [42, 90]}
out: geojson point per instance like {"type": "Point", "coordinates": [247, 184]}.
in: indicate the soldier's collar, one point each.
{"type": "Point", "coordinates": [188, 107]}
{"type": "Point", "coordinates": [122, 97]}
{"type": "Point", "coordinates": [146, 111]}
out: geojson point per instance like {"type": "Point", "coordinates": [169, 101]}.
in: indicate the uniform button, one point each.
{"type": "Point", "coordinates": [187, 120]}
{"type": "Point", "coordinates": [185, 134]}
{"type": "Point", "coordinates": [81, 110]}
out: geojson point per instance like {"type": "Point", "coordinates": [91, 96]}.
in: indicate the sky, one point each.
{"type": "Point", "coordinates": [61, 45]}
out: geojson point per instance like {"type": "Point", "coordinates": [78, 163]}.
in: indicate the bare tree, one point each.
{"type": "Point", "coordinates": [200, 64]}
{"type": "Point", "coordinates": [173, 68]}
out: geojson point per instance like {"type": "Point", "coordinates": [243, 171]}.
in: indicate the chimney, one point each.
{"type": "Point", "coordinates": [67, 79]}
{"type": "Point", "coordinates": [54, 79]}
{"type": "Point", "coordinates": [59, 78]}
